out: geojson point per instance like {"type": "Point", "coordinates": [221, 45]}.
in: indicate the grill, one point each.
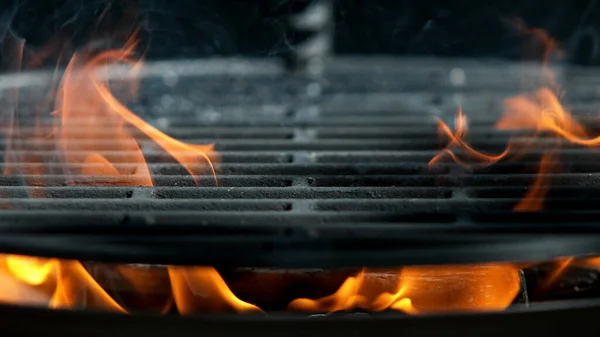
{"type": "Point", "coordinates": [323, 171]}
{"type": "Point", "coordinates": [323, 167]}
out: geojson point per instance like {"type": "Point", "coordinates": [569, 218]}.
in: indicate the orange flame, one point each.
{"type": "Point", "coordinates": [591, 262]}
{"type": "Point", "coordinates": [424, 290]}
{"type": "Point", "coordinates": [85, 104]}
{"type": "Point", "coordinates": [59, 284]}
{"type": "Point", "coordinates": [68, 284]}
{"type": "Point", "coordinates": [87, 111]}
{"type": "Point", "coordinates": [541, 112]}
{"type": "Point", "coordinates": [457, 140]}
{"type": "Point", "coordinates": [415, 290]}
{"type": "Point", "coordinates": [201, 289]}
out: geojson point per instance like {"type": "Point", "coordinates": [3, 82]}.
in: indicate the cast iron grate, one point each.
{"type": "Point", "coordinates": [322, 152]}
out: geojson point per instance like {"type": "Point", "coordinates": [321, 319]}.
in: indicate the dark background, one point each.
{"type": "Point", "coordinates": [201, 28]}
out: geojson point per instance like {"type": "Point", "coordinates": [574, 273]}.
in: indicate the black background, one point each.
{"type": "Point", "coordinates": [201, 28]}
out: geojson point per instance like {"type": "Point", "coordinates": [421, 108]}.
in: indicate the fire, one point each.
{"type": "Point", "coordinates": [592, 262]}
{"type": "Point", "coordinates": [86, 110]}
{"type": "Point", "coordinates": [201, 289]}
{"type": "Point", "coordinates": [457, 141]}
{"type": "Point", "coordinates": [422, 290]}
{"type": "Point", "coordinates": [414, 290]}
{"type": "Point", "coordinates": [540, 112]}
{"type": "Point", "coordinates": [55, 283]}
{"type": "Point", "coordinates": [85, 105]}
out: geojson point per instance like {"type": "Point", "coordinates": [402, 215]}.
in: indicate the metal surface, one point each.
{"type": "Point", "coordinates": [313, 173]}
{"type": "Point", "coordinates": [558, 319]}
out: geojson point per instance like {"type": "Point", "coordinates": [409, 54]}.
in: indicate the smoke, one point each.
{"type": "Point", "coordinates": [191, 28]}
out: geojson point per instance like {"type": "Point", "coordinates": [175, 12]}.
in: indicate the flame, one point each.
{"type": "Point", "coordinates": [77, 289]}
{"type": "Point", "coordinates": [67, 284]}
{"type": "Point", "coordinates": [56, 283]}
{"type": "Point", "coordinates": [83, 113]}
{"type": "Point", "coordinates": [16, 289]}
{"type": "Point", "coordinates": [347, 297]}
{"type": "Point", "coordinates": [540, 112]}
{"type": "Point", "coordinates": [457, 140]}
{"type": "Point", "coordinates": [31, 270]}
{"type": "Point", "coordinates": [87, 110]}
{"type": "Point", "coordinates": [201, 289]}
{"type": "Point", "coordinates": [562, 266]}
{"type": "Point", "coordinates": [85, 105]}
{"type": "Point", "coordinates": [424, 290]}
{"type": "Point", "coordinates": [591, 262]}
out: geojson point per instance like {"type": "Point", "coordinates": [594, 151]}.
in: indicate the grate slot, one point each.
{"type": "Point", "coordinates": [557, 179]}
{"type": "Point", "coordinates": [182, 133]}
{"type": "Point", "coordinates": [306, 169]}
{"type": "Point", "coordinates": [532, 167]}
{"type": "Point", "coordinates": [92, 192]}
{"type": "Point", "coordinates": [376, 181]}
{"type": "Point", "coordinates": [303, 193]}
{"type": "Point", "coordinates": [147, 204]}
{"type": "Point", "coordinates": [375, 157]}
{"type": "Point", "coordinates": [584, 192]}
{"type": "Point", "coordinates": [446, 205]}
{"type": "Point", "coordinates": [157, 156]}
{"type": "Point", "coordinates": [571, 216]}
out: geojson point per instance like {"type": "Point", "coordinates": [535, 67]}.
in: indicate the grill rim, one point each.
{"type": "Point", "coordinates": [282, 250]}
{"type": "Point", "coordinates": [545, 319]}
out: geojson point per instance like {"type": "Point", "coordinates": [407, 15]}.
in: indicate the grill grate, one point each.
{"type": "Point", "coordinates": [320, 164]}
